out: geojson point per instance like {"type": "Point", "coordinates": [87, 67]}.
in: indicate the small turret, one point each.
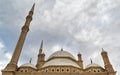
{"type": "Point", "coordinates": [80, 61]}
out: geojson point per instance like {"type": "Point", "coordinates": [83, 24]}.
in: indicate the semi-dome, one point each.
{"type": "Point", "coordinates": [61, 62]}
{"type": "Point", "coordinates": [92, 65]}
{"type": "Point", "coordinates": [62, 54]}
{"type": "Point", "coordinates": [28, 65]}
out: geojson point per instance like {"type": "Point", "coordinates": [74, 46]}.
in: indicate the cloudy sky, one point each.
{"type": "Point", "coordinates": [83, 26]}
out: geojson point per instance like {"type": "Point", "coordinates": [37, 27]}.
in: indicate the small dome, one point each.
{"type": "Point", "coordinates": [93, 65]}
{"type": "Point", "coordinates": [61, 62]}
{"type": "Point", "coordinates": [28, 65]}
{"type": "Point", "coordinates": [62, 54]}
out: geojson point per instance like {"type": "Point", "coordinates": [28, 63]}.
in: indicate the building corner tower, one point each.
{"type": "Point", "coordinates": [107, 64]}
{"type": "Point", "coordinates": [12, 65]}
{"type": "Point", "coordinates": [41, 57]}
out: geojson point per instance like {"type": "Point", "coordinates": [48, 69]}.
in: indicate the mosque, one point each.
{"type": "Point", "coordinates": [59, 63]}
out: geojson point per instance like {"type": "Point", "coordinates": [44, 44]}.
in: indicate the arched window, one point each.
{"type": "Point", "coordinates": [62, 70]}
{"type": "Point", "coordinates": [26, 71]}
{"type": "Point", "coordinates": [98, 70]}
{"type": "Point", "coordinates": [46, 70]}
{"type": "Point", "coordinates": [94, 70]}
{"type": "Point", "coordinates": [73, 70]}
{"type": "Point", "coordinates": [53, 70]}
{"type": "Point", "coordinates": [89, 71]}
{"type": "Point", "coordinates": [67, 70]}
{"type": "Point", "coordinates": [58, 70]}
{"type": "Point", "coordinates": [21, 70]}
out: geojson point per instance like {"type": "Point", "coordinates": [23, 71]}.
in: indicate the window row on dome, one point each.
{"type": "Point", "coordinates": [94, 70]}
{"type": "Point", "coordinates": [25, 70]}
{"type": "Point", "coordinates": [61, 70]}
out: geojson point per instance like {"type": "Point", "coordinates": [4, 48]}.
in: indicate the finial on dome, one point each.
{"type": "Point", "coordinates": [91, 60]}
{"type": "Point", "coordinates": [30, 60]}
{"type": "Point", "coordinates": [61, 49]}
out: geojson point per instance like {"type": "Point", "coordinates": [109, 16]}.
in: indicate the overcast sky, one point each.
{"type": "Point", "coordinates": [83, 26]}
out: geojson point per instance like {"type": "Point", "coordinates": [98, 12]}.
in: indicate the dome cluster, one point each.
{"type": "Point", "coordinates": [61, 58]}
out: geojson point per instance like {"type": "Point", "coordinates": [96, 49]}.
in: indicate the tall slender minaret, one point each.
{"type": "Point", "coordinates": [80, 61]}
{"type": "Point", "coordinates": [107, 63]}
{"type": "Point", "coordinates": [41, 57]}
{"type": "Point", "coordinates": [12, 65]}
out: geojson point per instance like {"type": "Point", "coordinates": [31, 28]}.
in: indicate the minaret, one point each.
{"type": "Point", "coordinates": [41, 57]}
{"type": "Point", "coordinates": [12, 65]}
{"type": "Point", "coordinates": [107, 63]}
{"type": "Point", "coordinates": [80, 61]}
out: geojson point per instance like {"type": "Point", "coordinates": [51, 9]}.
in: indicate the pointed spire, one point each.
{"type": "Point", "coordinates": [41, 48]}
{"type": "Point", "coordinates": [103, 50]}
{"type": "Point", "coordinates": [30, 60]}
{"type": "Point", "coordinates": [32, 9]}
{"type": "Point", "coordinates": [91, 60]}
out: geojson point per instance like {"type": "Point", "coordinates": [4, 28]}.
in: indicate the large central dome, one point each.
{"type": "Point", "coordinates": [61, 58]}
{"type": "Point", "coordinates": [62, 54]}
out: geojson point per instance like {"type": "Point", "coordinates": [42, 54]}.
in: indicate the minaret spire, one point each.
{"type": "Point", "coordinates": [12, 65]}
{"type": "Point", "coordinates": [41, 48]}
{"type": "Point", "coordinates": [103, 50]}
{"type": "Point", "coordinates": [32, 9]}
